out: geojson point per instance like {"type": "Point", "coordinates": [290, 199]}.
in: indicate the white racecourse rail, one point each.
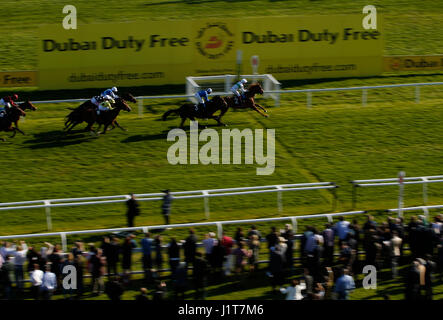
{"type": "Point", "coordinates": [278, 92]}
{"type": "Point", "coordinates": [425, 180]}
{"type": "Point", "coordinates": [205, 194]}
{"type": "Point", "coordinates": [218, 224]}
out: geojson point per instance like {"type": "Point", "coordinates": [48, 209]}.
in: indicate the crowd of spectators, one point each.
{"type": "Point", "coordinates": [329, 261]}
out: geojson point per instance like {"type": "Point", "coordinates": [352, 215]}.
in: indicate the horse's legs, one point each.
{"type": "Point", "coordinates": [258, 110]}
{"type": "Point", "coordinates": [261, 108]}
{"type": "Point", "coordinates": [105, 128]}
{"type": "Point", "coordinates": [118, 125]}
{"type": "Point", "coordinates": [182, 123]}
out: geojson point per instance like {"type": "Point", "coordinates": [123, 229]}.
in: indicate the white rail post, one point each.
{"type": "Point", "coordinates": [206, 202]}
{"type": "Point", "coordinates": [401, 176]}
{"type": "Point", "coordinates": [145, 230]}
{"type": "Point", "coordinates": [279, 199]}
{"type": "Point", "coordinates": [364, 97]}
{"type": "Point", "coordinates": [417, 94]}
{"type": "Point", "coordinates": [309, 99]}
{"type": "Point", "coordinates": [425, 190]}
{"type": "Point", "coordinates": [426, 212]}
{"type": "Point", "coordinates": [64, 242]}
{"type": "Point", "coordinates": [330, 219]}
{"type": "Point", "coordinates": [140, 107]}
{"type": "Point", "coordinates": [294, 224]}
{"type": "Point", "coordinates": [219, 230]}
{"type": "Point", "coordinates": [48, 214]}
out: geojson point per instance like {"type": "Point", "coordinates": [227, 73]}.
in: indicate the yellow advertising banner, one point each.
{"type": "Point", "coordinates": [165, 52]}
{"type": "Point", "coordinates": [413, 63]}
{"type": "Point", "coordinates": [18, 79]}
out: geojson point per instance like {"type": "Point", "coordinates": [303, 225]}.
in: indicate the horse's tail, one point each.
{"type": "Point", "coordinates": [167, 113]}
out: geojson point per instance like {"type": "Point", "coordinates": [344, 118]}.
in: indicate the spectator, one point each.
{"type": "Point", "coordinates": [174, 255]}
{"type": "Point", "coordinates": [440, 257]}
{"type": "Point", "coordinates": [79, 264]}
{"type": "Point", "coordinates": [114, 289]}
{"type": "Point", "coordinates": [166, 206]}
{"type": "Point", "coordinates": [181, 281]}
{"type": "Point", "coordinates": [19, 261]}
{"type": "Point", "coordinates": [147, 245]}
{"type": "Point", "coordinates": [69, 264]}
{"type": "Point", "coordinates": [239, 235]}
{"type": "Point", "coordinates": [413, 282]}
{"type": "Point", "coordinates": [430, 268]}
{"type": "Point", "coordinates": [341, 229]}
{"type": "Point", "coordinates": [54, 256]}
{"type": "Point", "coordinates": [33, 257]}
{"type": "Point", "coordinates": [319, 292]}
{"type": "Point", "coordinates": [227, 243]}
{"type": "Point", "coordinates": [370, 223]}
{"type": "Point", "coordinates": [254, 247]}
{"type": "Point", "coordinates": [208, 244]}
{"type": "Point", "coordinates": [328, 245]}
{"type": "Point", "coordinates": [133, 210]}
{"type": "Point", "coordinates": [127, 247]}
{"type": "Point", "coordinates": [254, 231]}
{"type": "Point", "coordinates": [6, 272]}
{"type": "Point", "coordinates": [97, 262]}
{"type": "Point", "coordinates": [240, 255]}
{"type": "Point", "coordinates": [345, 284]}
{"type": "Point", "coordinates": [395, 245]}
{"type": "Point", "coordinates": [200, 272]}
{"type": "Point", "coordinates": [218, 257]}
{"type": "Point", "coordinates": [49, 283]}
{"type": "Point", "coordinates": [143, 296]}
{"type": "Point", "coordinates": [36, 277]}
{"type": "Point", "coordinates": [158, 252]}
{"type": "Point", "coordinates": [293, 292]}
{"type": "Point", "coordinates": [276, 263]}
{"type": "Point", "coordinates": [309, 281]}
{"type": "Point", "coordinates": [272, 237]}
{"type": "Point", "coordinates": [289, 237]}
{"type": "Point", "coordinates": [78, 248]}
{"type": "Point", "coordinates": [190, 248]}
{"type": "Point", "coordinates": [111, 251]}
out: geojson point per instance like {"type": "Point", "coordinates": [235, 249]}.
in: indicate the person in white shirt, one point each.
{"type": "Point", "coordinates": [395, 245]}
{"type": "Point", "coordinates": [294, 291]}
{"type": "Point", "coordinates": [49, 283]}
{"type": "Point", "coordinates": [36, 277]}
{"type": "Point", "coordinates": [19, 261]}
{"type": "Point", "coordinates": [209, 243]}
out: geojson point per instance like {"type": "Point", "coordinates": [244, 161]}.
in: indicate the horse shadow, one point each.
{"type": "Point", "coordinates": [146, 137]}
{"type": "Point", "coordinates": [57, 138]}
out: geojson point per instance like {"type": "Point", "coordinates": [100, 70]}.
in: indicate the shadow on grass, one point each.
{"type": "Point", "coordinates": [57, 138]}
{"type": "Point", "coordinates": [145, 137]}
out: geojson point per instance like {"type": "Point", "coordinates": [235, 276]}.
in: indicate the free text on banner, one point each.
{"type": "Point", "coordinates": [413, 63]}
{"type": "Point", "coordinates": [18, 79]}
{"type": "Point", "coordinates": [165, 52]}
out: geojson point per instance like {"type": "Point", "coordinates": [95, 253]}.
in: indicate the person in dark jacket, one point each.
{"type": "Point", "coordinates": [158, 252]}
{"type": "Point", "coordinates": [114, 289]}
{"type": "Point", "coordinates": [190, 248]}
{"type": "Point", "coordinates": [199, 274]}
{"type": "Point", "coordinates": [133, 210]}
{"type": "Point", "coordinates": [166, 206]}
{"type": "Point", "coordinates": [143, 296]}
{"type": "Point", "coordinates": [127, 247]}
{"type": "Point", "coordinates": [174, 256]}
{"type": "Point", "coordinates": [111, 250]}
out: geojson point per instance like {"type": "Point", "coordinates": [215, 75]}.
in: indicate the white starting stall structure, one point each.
{"type": "Point", "coordinates": [222, 84]}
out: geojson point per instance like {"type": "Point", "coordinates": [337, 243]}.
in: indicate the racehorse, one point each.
{"type": "Point", "coordinates": [77, 115]}
{"type": "Point", "coordinates": [188, 111]}
{"type": "Point", "coordinates": [248, 100]}
{"type": "Point", "coordinates": [6, 122]}
{"type": "Point", "coordinates": [23, 106]}
{"type": "Point", "coordinates": [90, 116]}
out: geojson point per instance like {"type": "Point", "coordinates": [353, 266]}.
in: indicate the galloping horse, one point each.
{"type": "Point", "coordinates": [248, 101]}
{"type": "Point", "coordinates": [12, 115]}
{"type": "Point", "coordinates": [77, 115]}
{"type": "Point", "coordinates": [188, 111]}
{"type": "Point", "coordinates": [23, 106]}
{"type": "Point", "coordinates": [90, 116]}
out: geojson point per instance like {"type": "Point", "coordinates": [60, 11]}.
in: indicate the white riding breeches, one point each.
{"type": "Point", "coordinates": [199, 99]}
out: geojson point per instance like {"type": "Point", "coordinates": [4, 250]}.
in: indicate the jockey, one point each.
{"type": "Point", "coordinates": [6, 103]}
{"type": "Point", "coordinates": [105, 105]}
{"type": "Point", "coordinates": [97, 100]}
{"type": "Point", "coordinates": [111, 93]}
{"type": "Point", "coordinates": [239, 86]}
{"type": "Point", "coordinates": [202, 97]}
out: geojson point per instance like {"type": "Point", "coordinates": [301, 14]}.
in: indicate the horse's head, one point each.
{"type": "Point", "coordinates": [27, 105]}
{"type": "Point", "coordinates": [219, 102]}
{"type": "Point", "coordinates": [120, 104]}
{"type": "Point", "coordinates": [128, 97]}
{"type": "Point", "coordinates": [255, 88]}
